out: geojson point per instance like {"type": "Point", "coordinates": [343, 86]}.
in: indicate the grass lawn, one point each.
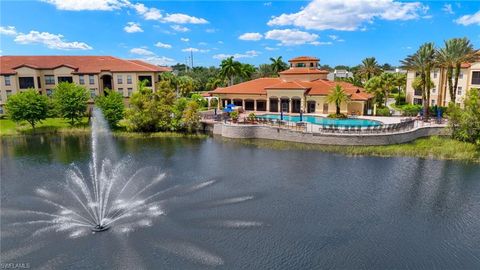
{"type": "Point", "coordinates": [434, 147]}
{"type": "Point", "coordinates": [49, 125]}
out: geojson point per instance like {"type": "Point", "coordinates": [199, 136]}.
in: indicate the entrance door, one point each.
{"type": "Point", "coordinates": [325, 108]}
{"type": "Point", "coordinates": [285, 105]}
{"type": "Point", "coordinates": [311, 107]}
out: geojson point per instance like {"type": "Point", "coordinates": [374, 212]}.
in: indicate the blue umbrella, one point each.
{"type": "Point", "coordinates": [281, 115]}
{"type": "Point", "coordinates": [301, 116]}
{"type": "Point", "coordinates": [228, 110]}
{"type": "Point", "coordinates": [230, 105]}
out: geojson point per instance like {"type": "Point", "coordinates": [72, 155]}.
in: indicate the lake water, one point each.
{"type": "Point", "coordinates": [267, 209]}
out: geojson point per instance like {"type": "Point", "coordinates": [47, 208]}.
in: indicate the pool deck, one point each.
{"type": "Point", "coordinates": [313, 133]}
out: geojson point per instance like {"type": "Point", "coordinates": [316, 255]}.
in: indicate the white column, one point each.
{"type": "Point", "coordinates": [255, 105]}
{"type": "Point", "coordinates": [289, 105]}
{"type": "Point", "coordinates": [268, 105]}
{"type": "Point", "coordinates": [279, 107]}
{"type": "Point", "coordinates": [243, 104]}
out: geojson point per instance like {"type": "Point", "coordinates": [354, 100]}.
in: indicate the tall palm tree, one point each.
{"type": "Point", "coordinates": [213, 83]}
{"type": "Point", "coordinates": [423, 61]}
{"type": "Point", "coordinates": [278, 65]}
{"type": "Point", "coordinates": [230, 68]}
{"type": "Point", "coordinates": [369, 68]}
{"type": "Point", "coordinates": [456, 52]}
{"type": "Point", "coordinates": [337, 95]}
{"type": "Point", "coordinates": [246, 71]}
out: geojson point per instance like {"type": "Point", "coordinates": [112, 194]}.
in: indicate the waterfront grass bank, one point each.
{"type": "Point", "coordinates": [434, 147]}
{"type": "Point", "coordinates": [61, 126]}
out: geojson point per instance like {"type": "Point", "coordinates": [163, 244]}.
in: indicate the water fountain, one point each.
{"type": "Point", "coordinates": [111, 194]}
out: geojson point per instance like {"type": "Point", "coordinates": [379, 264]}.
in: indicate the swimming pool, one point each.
{"type": "Point", "coordinates": [325, 121]}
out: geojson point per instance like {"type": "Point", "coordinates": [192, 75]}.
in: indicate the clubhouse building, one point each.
{"type": "Point", "coordinates": [302, 87]}
{"type": "Point", "coordinates": [96, 73]}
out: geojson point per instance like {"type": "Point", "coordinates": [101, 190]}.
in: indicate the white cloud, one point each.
{"type": "Point", "coordinates": [447, 8]}
{"type": "Point", "coordinates": [77, 5]}
{"type": "Point", "coordinates": [319, 43]}
{"type": "Point", "coordinates": [159, 60]}
{"type": "Point", "coordinates": [267, 4]}
{"type": "Point", "coordinates": [185, 39]}
{"type": "Point", "coordinates": [220, 42]}
{"type": "Point", "coordinates": [132, 27]}
{"type": "Point", "coordinates": [195, 50]}
{"type": "Point", "coordinates": [9, 30]}
{"type": "Point", "coordinates": [148, 13]}
{"type": "Point", "coordinates": [469, 19]}
{"type": "Point", "coordinates": [247, 54]}
{"type": "Point", "coordinates": [142, 51]}
{"type": "Point", "coordinates": [52, 41]}
{"type": "Point", "coordinates": [271, 48]}
{"type": "Point", "coordinates": [179, 28]}
{"type": "Point", "coordinates": [251, 36]}
{"type": "Point", "coordinates": [348, 15]}
{"type": "Point", "coordinates": [183, 18]}
{"type": "Point", "coordinates": [291, 37]}
{"type": "Point", "coordinates": [202, 43]}
{"type": "Point", "coordinates": [333, 37]}
{"type": "Point", "coordinates": [211, 30]}
{"type": "Point", "coordinates": [163, 45]}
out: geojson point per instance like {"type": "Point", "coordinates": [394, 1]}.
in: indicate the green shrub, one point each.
{"type": "Point", "coordinates": [251, 116]}
{"type": "Point", "coordinates": [411, 110]}
{"type": "Point", "coordinates": [234, 115]}
{"type": "Point", "coordinates": [400, 99]}
{"type": "Point", "coordinates": [338, 116]}
{"type": "Point", "coordinates": [383, 111]}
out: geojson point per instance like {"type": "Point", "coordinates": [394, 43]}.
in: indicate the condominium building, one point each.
{"type": "Point", "coordinates": [440, 94]}
{"type": "Point", "coordinates": [96, 73]}
{"type": "Point", "coordinates": [303, 87]}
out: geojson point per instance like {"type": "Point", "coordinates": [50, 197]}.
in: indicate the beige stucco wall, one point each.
{"type": "Point", "coordinates": [441, 85]}
{"type": "Point", "coordinates": [66, 71]}
{"type": "Point", "coordinates": [302, 77]}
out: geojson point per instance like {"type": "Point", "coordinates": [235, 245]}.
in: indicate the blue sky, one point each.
{"type": "Point", "coordinates": [164, 32]}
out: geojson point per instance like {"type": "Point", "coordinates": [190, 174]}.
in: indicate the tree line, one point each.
{"type": "Point", "coordinates": [165, 108]}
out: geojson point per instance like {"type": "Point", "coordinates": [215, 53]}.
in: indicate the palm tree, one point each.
{"type": "Point", "coordinates": [230, 68]}
{"type": "Point", "coordinates": [246, 71]}
{"type": "Point", "coordinates": [264, 70]}
{"type": "Point", "coordinates": [369, 68]}
{"type": "Point", "coordinates": [422, 62]}
{"type": "Point", "coordinates": [337, 95]}
{"type": "Point", "coordinates": [278, 65]}
{"type": "Point", "coordinates": [456, 52]}
{"type": "Point", "coordinates": [214, 83]}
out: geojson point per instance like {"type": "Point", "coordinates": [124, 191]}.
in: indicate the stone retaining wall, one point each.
{"type": "Point", "coordinates": [283, 134]}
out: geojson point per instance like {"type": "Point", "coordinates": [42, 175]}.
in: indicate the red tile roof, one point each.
{"type": "Point", "coordinates": [303, 58]}
{"type": "Point", "coordinates": [298, 70]}
{"type": "Point", "coordinates": [81, 64]}
{"type": "Point", "coordinates": [255, 87]}
{"type": "Point", "coordinates": [311, 88]}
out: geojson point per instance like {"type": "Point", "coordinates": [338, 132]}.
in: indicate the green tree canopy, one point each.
{"type": "Point", "coordinates": [71, 101]}
{"type": "Point", "coordinates": [278, 65]}
{"type": "Point", "coordinates": [455, 52]}
{"type": "Point", "coordinates": [27, 106]}
{"type": "Point", "coordinates": [191, 116]}
{"type": "Point", "coordinates": [112, 106]}
{"type": "Point", "coordinates": [337, 96]}
{"type": "Point", "coordinates": [465, 124]}
{"type": "Point", "coordinates": [381, 86]}
{"type": "Point", "coordinates": [369, 68]}
{"type": "Point", "coordinates": [230, 68]}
